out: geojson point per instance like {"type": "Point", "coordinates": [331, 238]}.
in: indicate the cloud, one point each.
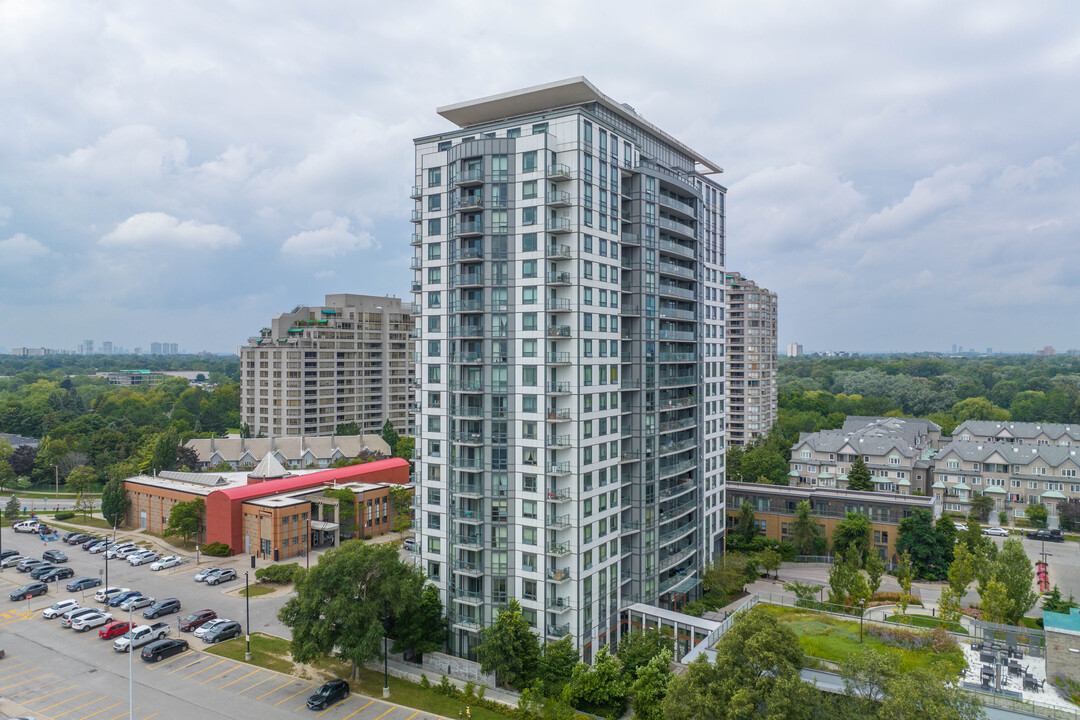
{"type": "Point", "coordinates": [151, 230]}
{"type": "Point", "coordinates": [20, 248]}
{"type": "Point", "coordinates": [331, 241]}
{"type": "Point", "coordinates": [946, 188]}
{"type": "Point", "coordinates": [5, 215]}
{"type": "Point", "coordinates": [132, 153]}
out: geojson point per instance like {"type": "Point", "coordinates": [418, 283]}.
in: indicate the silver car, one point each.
{"type": "Point", "coordinates": [143, 558]}
{"type": "Point", "coordinates": [205, 573]}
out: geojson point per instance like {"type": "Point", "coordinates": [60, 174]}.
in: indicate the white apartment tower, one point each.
{"type": "Point", "coordinates": [569, 272]}
{"type": "Point", "coordinates": [751, 360]}
{"type": "Point", "coordinates": [315, 368]}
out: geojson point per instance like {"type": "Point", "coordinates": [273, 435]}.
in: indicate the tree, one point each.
{"type": "Point", "coordinates": [636, 649]}
{"type": "Point", "coordinates": [84, 505]}
{"type": "Point", "coordinates": [858, 477]}
{"type": "Point", "coordinates": [159, 452]}
{"type": "Point", "coordinates": [769, 559]}
{"type": "Point", "coordinates": [806, 592]}
{"type": "Point", "coordinates": [114, 502]}
{"type": "Point", "coordinates": [746, 528]}
{"type": "Point", "coordinates": [847, 584]}
{"type": "Point", "coordinates": [727, 578]}
{"type": "Point", "coordinates": [400, 508]}
{"type": "Point", "coordinates": [981, 506]}
{"type": "Point", "coordinates": [1037, 514]}
{"type": "Point", "coordinates": [650, 686]}
{"type": "Point", "coordinates": [22, 460]}
{"type": "Point", "coordinates": [805, 532]}
{"type": "Point", "coordinates": [918, 536]}
{"type": "Point", "coordinates": [186, 457]}
{"type": "Point", "coordinates": [995, 603]}
{"type": "Point", "coordinates": [852, 531]}
{"type": "Point", "coordinates": [866, 678]}
{"type": "Point", "coordinates": [1069, 513]}
{"type": "Point", "coordinates": [186, 518]}
{"type": "Point", "coordinates": [950, 607]}
{"type": "Point", "coordinates": [600, 689]}
{"type": "Point", "coordinates": [509, 649]}
{"type": "Point", "coordinates": [405, 448]}
{"type": "Point", "coordinates": [11, 510]}
{"type": "Point", "coordinates": [390, 435]}
{"type": "Point", "coordinates": [875, 568]}
{"type": "Point", "coordinates": [978, 408]}
{"type": "Point", "coordinates": [349, 428]}
{"type": "Point", "coordinates": [557, 662]}
{"type": "Point", "coordinates": [346, 507]}
{"type": "Point", "coordinates": [341, 605]}
{"type": "Point", "coordinates": [424, 629]}
{"type": "Point", "coordinates": [919, 693]}
{"type": "Point", "coordinates": [945, 530]}
{"type": "Point", "coordinates": [903, 577]}
{"type": "Point", "coordinates": [80, 480]}
{"type": "Point", "coordinates": [1013, 569]}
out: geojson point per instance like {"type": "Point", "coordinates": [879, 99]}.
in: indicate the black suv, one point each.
{"type": "Point", "coordinates": [161, 649]}
{"type": "Point", "coordinates": [329, 693]}
{"type": "Point", "coordinates": [162, 607]}
{"type": "Point", "coordinates": [54, 556]}
{"type": "Point", "coordinates": [60, 573]}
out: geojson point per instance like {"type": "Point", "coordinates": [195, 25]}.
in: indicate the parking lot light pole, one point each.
{"type": "Point", "coordinates": [247, 616]}
{"type": "Point", "coordinates": [131, 668]}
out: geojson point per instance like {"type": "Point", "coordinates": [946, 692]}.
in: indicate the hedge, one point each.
{"type": "Point", "coordinates": [278, 574]}
{"type": "Point", "coordinates": [217, 549]}
{"type": "Point", "coordinates": [64, 515]}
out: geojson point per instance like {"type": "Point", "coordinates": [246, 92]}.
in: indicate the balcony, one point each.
{"type": "Point", "coordinates": [467, 254]}
{"type": "Point", "coordinates": [557, 441]}
{"type": "Point", "coordinates": [558, 198]}
{"type": "Point", "coordinates": [416, 263]}
{"type": "Point", "coordinates": [467, 463]}
{"type": "Point", "coordinates": [674, 357]}
{"type": "Point", "coordinates": [468, 279]}
{"type": "Point", "coordinates": [467, 489]}
{"type": "Point", "coordinates": [416, 286]}
{"type": "Point", "coordinates": [559, 604]}
{"type": "Point", "coordinates": [559, 522]}
{"type": "Point", "coordinates": [415, 333]}
{"type": "Point", "coordinates": [683, 229]}
{"type": "Point", "coordinates": [561, 252]}
{"type": "Point", "coordinates": [473, 358]}
{"type": "Point", "coordinates": [472, 541]}
{"type": "Point", "coordinates": [561, 415]}
{"type": "Point", "coordinates": [466, 331]}
{"type": "Point", "coordinates": [558, 278]}
{"type": "Point", "coordinates": [680, 402]}
{"type": "Point", "coordinates": [558, 172]}
{"type": "Point", "coordinates": [558, 468]}
{"type": "Point", "coordinates": [676, 490]}
{"type": "Point", "coordinates": [558, 574]}
{"type": "Point", "coordinates": [467, 229]}
{"type": "Point", "coordinates": [676, 249]}
{"type": "Point", "coordinates": [469, 177]}
{"type": "Point", "coordinates": [416, 239]}
{"type": "Point", "coordinates": [469, 567]}
{"type": "Point", "coordinates": [467, 306]}
{"type": "Point", "coordinates": [558, 358]}
{"type": "Point", "coordinates": [417, 216]}
{"type": "Point", "coordinates": [558, 549]}
{"type": "Point", "coordinates": [673, 269]}
{"type": "Point", "coordinates": [557, 305]}
{"type": "Point", "coordinates": [416, 192]}
{"type": "Point", "coordinates": [558, 331]}
{"type": "Point", "coordinates": [558, 225]}
{"type": "Point", "coordinates": [678, 335]}
{"type": "Point", "coordinates": [677, 205]}
{"type": "Point", "coordinates": [558, 388]}
{"type": "Point", "coordinates": [465, 386]}
{"type": "Point", "coordinates": [474, 517]}
{"type": "Point", "coordinates": [470, 202]}
{"type": "Point", "coordinates": [558, 631]}
{"type": "Point", "coordinates": [672, 560]}
{"type": "Point", "coordinates": [674, 447]}
{"type": "Point", "coordinates": [469, 597]}
{"type": "Point", "coordinates": [676, 533]}
{"type": "Point", "coordinates": [466, 622]}
{"type": "Point", "coordinates": [558, 495]}
{"type": "Point", "coordinates": [467, 438]}
{"type": "Point", "coordinates": [667, 470]}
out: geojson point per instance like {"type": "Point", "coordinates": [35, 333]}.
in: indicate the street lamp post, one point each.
{"type": "Point", "coordinates": [862, 603]}
{"type": "Point", "coordinates": [56, 477]}
{"type": "Point", "coordinates": [307, 553]}
{"type": "Point", "coordinates": [247, 616]}
{"type": "Point", "coordinates": [131, 676]}
{"type": "Point", "coordinates": [386, 656]}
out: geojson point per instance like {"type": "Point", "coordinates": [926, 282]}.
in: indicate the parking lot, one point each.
{"type": "Point", "coordinates": [55, 672]}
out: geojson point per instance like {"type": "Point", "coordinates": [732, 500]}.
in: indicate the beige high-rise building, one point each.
{"type": "Point", "coordinates": [751, 359]}
{"type": "Point", "coordinates": [315, 368]}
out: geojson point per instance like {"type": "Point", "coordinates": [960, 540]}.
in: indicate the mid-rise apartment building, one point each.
{"type": "Point", "coordinates": [751, 359]}
{"type": "Point", "coordinates": [569, 273]}
{"type": "Point", "coordinates": [315, 368]}
{"type": "Point", "coordinates": [898, 451]}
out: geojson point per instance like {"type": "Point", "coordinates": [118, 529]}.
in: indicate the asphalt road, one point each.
{"type": "Point", "coordinates": [57, 673]}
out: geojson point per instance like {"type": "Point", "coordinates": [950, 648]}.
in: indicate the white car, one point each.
{"type": "Point", "coordinates": [116, 551]}
{"type": "Point", "coordinates": [92, 620]}
{"type": "Point", "coordinates": [27, 526]}
{"type": "Point", "coordinates": [168, 561]}
{"type": "Point", "coordinates": [126, 552]}
{"type": "Point", "coordinates": [143, 558]}
{"type": "Point", "coordinates": [996, 531]}
{"type": "Point", "coordinates": [137, 602]}
{"type": "Point", "coordinates": [206, 626]}
{"type": "Point", "coordinates": [205, 573]}
{"type": "Point", "coordinates": [57, 609]}
{"type": "Point", "coordinates": [106, 594]}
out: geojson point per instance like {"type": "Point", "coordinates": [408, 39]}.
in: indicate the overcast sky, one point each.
{"type": "Point", "coordinates": [906, 175]}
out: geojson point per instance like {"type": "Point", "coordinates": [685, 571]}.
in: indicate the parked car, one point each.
{"type": "Point", "coordinates": [114, 629]}
{"type": "Point", "coordinates": [996, 531]}
{"type": "Point", "coordinates": [92, 543]}
{"type": "Point", "coordinates": [12, 560]}
{"type": "Point", "coordinates": [162, 607]}
{"type": "Point", "coordinates": [60, 573]}
{"type": "Point", "coordinates": [169, 561]}
{"type": "Point", "coordinates": [221, 632]}
{"type": "Point", "coordinates": [409, 544]}
{"type": "Point", "coordinates": [161, 649]}
{"type": "Point", "coordinates": [88, 622]}
{"type": "Point", "coordinates": [208, 626]}
{"type": "Point", "coordinates": [206, 572]}
{"type": "Point", "coordinates": [8, 553]}
{"type": "Point", "coordinates": [118, 598]}
{"type": "Point", "coordinates": [327, 694]}
{"type": "Point", "coordinates": [26, 526]}
{"type": "Point", "coordinates": [99, 547]}
{"type": "Point", "coordinates": [54, 556]}
{"type": "Point", "coordinates": [75, 538]}
{"type": "Point", "coordinates": [34, 589]}
{"type": "Point", "coordinates": [29, 564]}
{"type": "Point", "coordinates": [141, 635]}
{"type": "Point", "coordinates": [104, 594]}
{"type": "Point", "coordinates": [83, 583]}
{"type": "Point", "coordinates": [72, 615]}
{"type": "Point", "coordinates": [196, 620]}
{"type": "Point", "coordinates": [1051, 535]}
{"type": "Point", "coordinates": [137, 602]}
{"type": "Point", "coordinates": [143, 558]}
{"type": "Point", "coordinates": [118, 551]}
{"type": "Point", "coordinates": [59, 608]}
{"type": "Point", "coordinates": [38, 570]}
{"type": "Point", "coordinates": [125, 552]}
{"type": "Point", "coordinates": [221, 576]}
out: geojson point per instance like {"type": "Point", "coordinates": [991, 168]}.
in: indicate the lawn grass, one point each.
{"type": "Point", "coordinates": [256, 591]}
{"type": "Point", "coordinates": [925, 621]}
{"type": "Point", "coordinates": [835, 639]}
{"type": "Point", "coordinates": [272, 653]}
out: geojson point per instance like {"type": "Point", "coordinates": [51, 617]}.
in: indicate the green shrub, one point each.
{"type": "Point", "coordinates": [64, 515]}
{"type": "Point", "coordinates": [217, 549]}
{"type": "Point", "coordinates": [278, 574]}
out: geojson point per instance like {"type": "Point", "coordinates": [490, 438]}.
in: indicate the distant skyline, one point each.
{"type": "Point", "coordinates": [901, 174]}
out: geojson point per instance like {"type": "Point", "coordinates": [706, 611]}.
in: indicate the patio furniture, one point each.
{"type": "Point", "coordinates": [986, 657]}
{"type": "Point", "coordinates": [1015, 668]}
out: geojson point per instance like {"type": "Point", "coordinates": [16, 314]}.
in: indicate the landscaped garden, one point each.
{"type": "Point", "coordinates": [925, 621]}
{"type": "Point", "coordinates": [835, 639]}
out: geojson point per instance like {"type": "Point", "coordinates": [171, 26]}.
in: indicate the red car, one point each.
{"type": "Point", "coordinates": [196, 620]}
{"type": "Point", "coordinates": [114, 629]}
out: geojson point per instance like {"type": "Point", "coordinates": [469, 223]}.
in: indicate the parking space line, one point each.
{"type": "Point", "coordinates": [251, 687]}
{"type": "Point", "coordinates": [110, 707]}
{"type": "Point", "coordinates": [274, 690]}
{"type": "Point", "coordinates": [392, 708]}
{"type": "Point", "coordinates": [41, 687]}
{"type": "Point", "coordinates": [220, 674]}
{"type": "Point", "coordinates": [18, 684]}
{"type": "Point", "coordinates": [62, 702]}
{"type": "Point", "coordinates": [150, 716]}
{"type": "Point", "coordinates": [185, 667]}
{"type": "Point", "coordinates": [335, 705]}
{"type": "Point", "coordinates": [155, 666]}
{"type": "Point", "coordinates": [125, 713]}
{"type": "Point", "coordinates": [48, 694]}
{"type": "Point", "coordinates": [220, 687]}
{"type": "Point", "coordinates": [78, 707]}
{"type": "Point", "coordinates": [354, 713]}
{"type": "Point", "coordinates": [12, 667]}
{"type": "Point", "coordinates": [205, 669]}
{"type": "Point", "coordinates": [293, 695]}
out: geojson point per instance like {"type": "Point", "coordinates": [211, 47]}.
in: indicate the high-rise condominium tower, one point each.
{"type": "Point", "coordinates": [569, 271]}
{"type": "Point", "coordinates": [751, 360]}
{"type": "Point", "coordinates": [316, 368]}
